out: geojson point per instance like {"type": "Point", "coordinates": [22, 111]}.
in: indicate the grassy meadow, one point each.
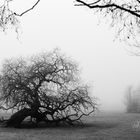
{"type": "Point", "coordinates": [102, 126]}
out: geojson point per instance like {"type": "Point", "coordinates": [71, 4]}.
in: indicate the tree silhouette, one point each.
{"type": "Point", "coordinates": [124, 14]}
{"type": "Point", "coordinates": [45, 87]}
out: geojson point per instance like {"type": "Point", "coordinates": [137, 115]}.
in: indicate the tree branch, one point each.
{"type": "Point", "coordinates": [27, 9]}
{"type": "Point", "coordinates": [108, 5]}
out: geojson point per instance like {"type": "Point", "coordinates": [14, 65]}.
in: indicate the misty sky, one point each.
{"type": "Point", "coordinates": [105, 64]}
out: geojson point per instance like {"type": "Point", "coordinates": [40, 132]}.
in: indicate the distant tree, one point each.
{"type": "Point", "coordinates": [132, 101]}
{"type": "Point", "coordinates": [125, 15]}
{"type": "Point", "coordinates": [45, 87]}
{"type": "Point", "coordinates": [9, 17]}
{"type": "Point", "coordinates": [128, 99]}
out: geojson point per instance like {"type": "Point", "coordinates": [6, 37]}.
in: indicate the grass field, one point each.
{"type": "Point", "coordinates": [103, 126]}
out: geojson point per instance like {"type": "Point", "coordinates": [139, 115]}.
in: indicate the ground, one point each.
{"type": "Point", "coordinates": [103, 126]}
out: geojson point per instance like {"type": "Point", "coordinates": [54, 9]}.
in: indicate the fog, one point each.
{"type": "Point", "coordinates": [105, 64]}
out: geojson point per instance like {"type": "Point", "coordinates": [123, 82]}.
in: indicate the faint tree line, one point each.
{"type": "Point", "coordinates": [132, 100]}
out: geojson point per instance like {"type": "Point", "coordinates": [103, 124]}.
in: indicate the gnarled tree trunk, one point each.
{"type": "Point", "coordinates": [17, 118]}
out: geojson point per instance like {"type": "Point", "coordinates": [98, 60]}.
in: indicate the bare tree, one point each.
{"type": "Point", "coordinates": [9, 17]}
{"type": "Point", "coordinates": [45, 87]}
{"type": "Point", "coordinates": [125, 15]}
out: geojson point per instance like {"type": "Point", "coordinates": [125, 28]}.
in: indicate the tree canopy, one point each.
{"type": "Point", "coordinates": [125, 15]}
{"type": "Point", "coordinates": [46, 87]}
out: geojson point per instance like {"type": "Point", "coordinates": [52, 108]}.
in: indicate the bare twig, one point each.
{"type": "Point", "coordinates": [27, 9]}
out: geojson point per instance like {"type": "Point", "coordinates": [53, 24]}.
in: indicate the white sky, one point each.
{"type": "Point", "coordinates": [105, 64]}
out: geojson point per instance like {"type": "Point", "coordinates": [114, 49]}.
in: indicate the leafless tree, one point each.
{"type": "Point", "coordinates": [45, 87]}
{"type": "Point", "coordinates": [9, 17]}
{"type": "Point", "coordinates": [125, 15]}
